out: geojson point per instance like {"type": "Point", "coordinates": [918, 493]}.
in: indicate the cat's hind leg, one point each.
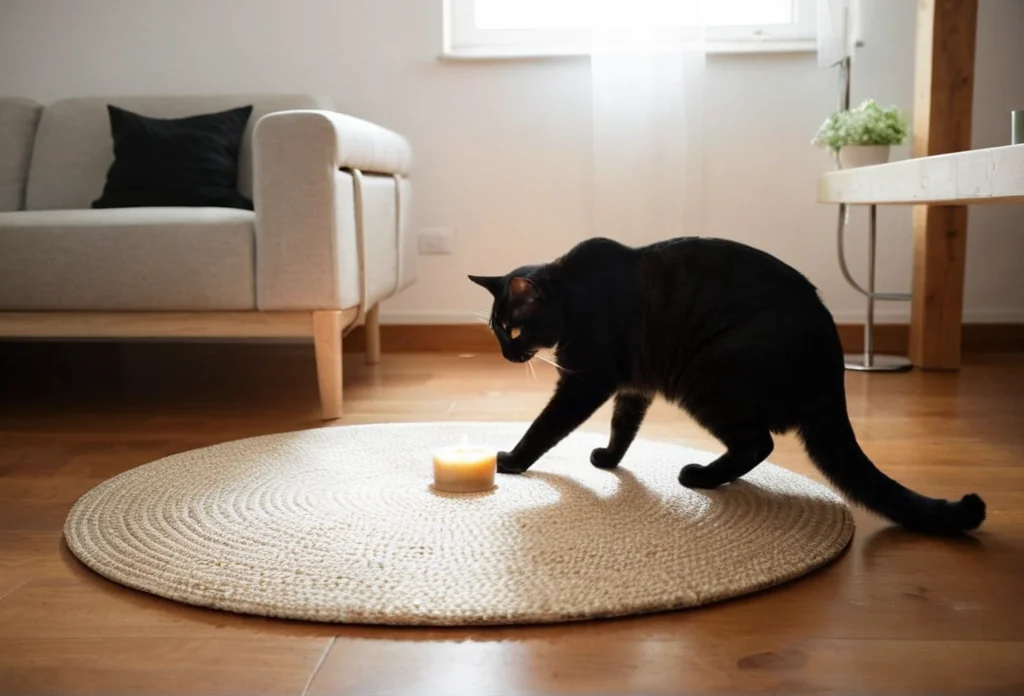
{"type": "Point", "coordinates": [737, 393]}
{"type": "Point", "coordinates": [745, 449]}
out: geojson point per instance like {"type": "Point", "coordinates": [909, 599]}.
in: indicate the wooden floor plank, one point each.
{"type": "Point", "coordinates": [897, 613]}
{"type": "Point", "coordinates": [133, 665]}
{"type": "Point", "coordinates": [652, 665]}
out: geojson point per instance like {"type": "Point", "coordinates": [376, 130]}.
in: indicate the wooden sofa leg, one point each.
{"type": "Point", "coordinates": [327, 344]}
{"type": "Point", "coordinates": [373, 335]}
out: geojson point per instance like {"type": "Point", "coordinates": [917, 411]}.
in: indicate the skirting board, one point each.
{"type": "Point", "coordinates": [475, 338]}
{"type": "Point", "coordinates": [410, 337]}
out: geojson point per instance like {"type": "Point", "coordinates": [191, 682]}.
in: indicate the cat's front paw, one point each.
{"type": "Point", "coordinates": [507, 464]}
{"type": "Point", "coordinates": [696, 476]}
{"type": "Point", "coordinates": [604, 458]}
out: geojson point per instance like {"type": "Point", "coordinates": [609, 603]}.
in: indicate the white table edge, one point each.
{"type": "Point", "coordinates": [972, 177]}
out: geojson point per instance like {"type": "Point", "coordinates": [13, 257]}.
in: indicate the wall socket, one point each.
{"type": "Point", "coordinates": [437, 240]}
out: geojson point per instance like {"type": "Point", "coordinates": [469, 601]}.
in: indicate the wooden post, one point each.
{"type": "Point", "coordinates": [943, 95]}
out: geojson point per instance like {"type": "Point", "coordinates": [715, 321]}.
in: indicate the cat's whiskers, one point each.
{"type": "Point", "coordinates": [484, 319]}
{"type": "Point", "coordinates": [551, 360]}
{"type": "Point", "coordinates": [533, 372]}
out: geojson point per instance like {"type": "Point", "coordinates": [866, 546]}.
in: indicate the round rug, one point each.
{"type": "Point", "coordinates": [341, 524]}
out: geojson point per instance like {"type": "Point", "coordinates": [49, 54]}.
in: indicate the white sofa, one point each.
{"type": "Point", "coordinates": [324, 246]}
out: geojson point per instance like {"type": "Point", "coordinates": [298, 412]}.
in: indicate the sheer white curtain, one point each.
{"type": "Point", "coordinates": [648, 87]}
{"type": "Point", "coordinates": [836, 27]}
{"type": "Point", "coordinates": [647, 81]}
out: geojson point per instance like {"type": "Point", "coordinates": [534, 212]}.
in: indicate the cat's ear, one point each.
{"type": "Point", "coordinates": [523, 289]}
{"type": "Point", "coordinates": [491, 283]}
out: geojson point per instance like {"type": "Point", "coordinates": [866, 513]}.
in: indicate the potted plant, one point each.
{"type": "Point", "coordinates": [862, 136]}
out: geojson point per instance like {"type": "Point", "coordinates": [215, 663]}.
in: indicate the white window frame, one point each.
{"type": "Point", "coordinates": [462, 40]}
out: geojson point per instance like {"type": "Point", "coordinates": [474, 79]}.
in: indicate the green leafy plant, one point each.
{"type": "Point", "coordinates": [868, 124]}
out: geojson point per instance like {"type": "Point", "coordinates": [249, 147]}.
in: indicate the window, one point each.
{"type": "Point", "coordinates": [495, 28]}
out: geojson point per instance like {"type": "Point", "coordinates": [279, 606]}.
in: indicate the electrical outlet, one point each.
{"type": "Point", "coordinates": [437, 240]}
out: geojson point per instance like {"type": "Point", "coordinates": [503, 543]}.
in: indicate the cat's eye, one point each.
{"type": "Point", "coordinates": [515, 332]}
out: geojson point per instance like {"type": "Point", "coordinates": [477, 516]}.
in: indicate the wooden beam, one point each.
{"type": "Point", "coordinates": [943, 96]}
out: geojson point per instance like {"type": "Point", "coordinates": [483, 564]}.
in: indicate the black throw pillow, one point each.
{"type": "Point", "coordinates": [191, 161]}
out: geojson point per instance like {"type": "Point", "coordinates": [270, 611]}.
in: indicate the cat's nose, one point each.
{"type": "Point", "coordinates": [518, 357]}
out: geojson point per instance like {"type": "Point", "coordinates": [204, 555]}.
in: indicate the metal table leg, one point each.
{"type": "Point", "coordinates": [868, 361]}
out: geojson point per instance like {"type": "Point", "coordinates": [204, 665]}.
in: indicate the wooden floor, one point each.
{"type": "Point", "coordinates": [896, 614]}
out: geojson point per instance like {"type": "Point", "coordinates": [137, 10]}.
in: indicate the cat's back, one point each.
{"type": "Point", "coordinates": [715, 261]}
{"type": "Point", "coordinates": [599, 253]}
{"type": "Point", "coordinates": [684, 268]}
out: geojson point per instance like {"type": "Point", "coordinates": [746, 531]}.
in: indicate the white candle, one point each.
{"type": "Point", "coordinates": [465, 468]}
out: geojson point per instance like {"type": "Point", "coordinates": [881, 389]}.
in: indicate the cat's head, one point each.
{"type": "Point", "coordinates": [526, 314]}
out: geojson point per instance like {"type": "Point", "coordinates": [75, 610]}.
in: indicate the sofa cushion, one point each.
{"type": "Point", "coordinates": [161, 162]}
{"type": "Point", "coordinates": [18, 121]}
{"type": "Point", "coordinates": [142, 259]}
{"type": "Point", "coordinates": [74, 148]}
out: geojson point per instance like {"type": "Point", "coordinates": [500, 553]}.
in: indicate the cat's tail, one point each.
{"type": "Point", "coordinates": [832, 445]}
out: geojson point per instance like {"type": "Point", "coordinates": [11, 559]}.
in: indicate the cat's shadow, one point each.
{"type": "Point", "coordinates": [558, 548]}
{"type": "Point", "coordinates": [601, 509]}
{"type": "Point", "coordinates": [631, 493]}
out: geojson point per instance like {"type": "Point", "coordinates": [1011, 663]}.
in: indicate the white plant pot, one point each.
{"type": "Point", "coordinates": [853, 156]}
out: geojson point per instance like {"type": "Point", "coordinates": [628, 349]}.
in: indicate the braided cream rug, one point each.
{"type": "Point", "coordinates": [341, 524]}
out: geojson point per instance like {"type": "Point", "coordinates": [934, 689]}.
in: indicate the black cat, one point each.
{"type": "Point", "coordinates": [735, 337]}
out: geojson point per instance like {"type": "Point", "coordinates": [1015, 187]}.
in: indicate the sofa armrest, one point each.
{"type": "Point", "coordinates": [302, 194]}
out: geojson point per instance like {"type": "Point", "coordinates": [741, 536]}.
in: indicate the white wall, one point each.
{"type": "Point", "coordinates": [503, 148]}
